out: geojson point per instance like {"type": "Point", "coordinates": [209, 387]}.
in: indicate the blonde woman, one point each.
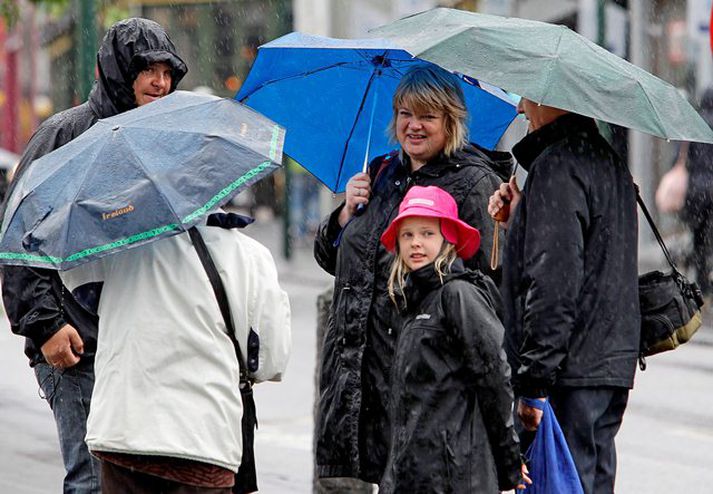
{"type": "Point", "coordinates": [429, 124]}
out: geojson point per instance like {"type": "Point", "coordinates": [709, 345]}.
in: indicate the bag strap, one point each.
{"type": "Point", "coordinates": [220, 295]}
{"type": "Point", "coordinates": [659, 239]}
{"type": "Point", "coordinates": [375, 173]}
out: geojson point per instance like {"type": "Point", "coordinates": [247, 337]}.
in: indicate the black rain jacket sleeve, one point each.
{"type": "Point", "coordinates": [325, 250]}
{"type": "Point", "coordinates": [32, 308]}
{"type": "Point", "coordinates": [35, 301]}
{"type": "Point", "coordinates": [28, 294]}
{"type": "Point", "coordinates": [482, 341]}
{"type": "Point", "coordinates": [553, 244]}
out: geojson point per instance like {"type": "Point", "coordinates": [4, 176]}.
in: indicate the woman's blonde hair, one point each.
{"type": "Point", "coordinates": [427, 88]}
{"type": "Point", "coordinates": [399, 270]}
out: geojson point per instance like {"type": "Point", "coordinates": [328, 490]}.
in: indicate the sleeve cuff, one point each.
{"type": "Point", "coordinates": [333, 228]}
{"type": "Point", "coordinates": [49, 333]}
{"type": "Point", "coordinates": [531, 390]}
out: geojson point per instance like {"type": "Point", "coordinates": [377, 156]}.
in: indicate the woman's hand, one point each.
{"type": "Point", "coordinates": [503, 201]}
{"type": "Point", "coordinates": [526, 480]}
{"type": "Point", "coordinates": [358, 192]}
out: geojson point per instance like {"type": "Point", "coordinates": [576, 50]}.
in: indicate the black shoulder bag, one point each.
{"type": "Point", "coordinates": [670, 304]}
{"type": "Point", "coordinates": [246, 478]}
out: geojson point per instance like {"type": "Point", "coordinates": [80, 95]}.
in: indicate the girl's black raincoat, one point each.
{"type": "Point", "coordinates": [451, 401]}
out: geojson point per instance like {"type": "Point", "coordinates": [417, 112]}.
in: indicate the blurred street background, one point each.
{"type": "Point", "coordinates": [47, 53]}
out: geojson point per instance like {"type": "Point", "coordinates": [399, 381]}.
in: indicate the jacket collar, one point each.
{"type": "Point", "coordinates": [471, 155]}
{"type": "Point", "coordinates": [534, 143]}
{"type": "Point", "coordinates": [424, 280]}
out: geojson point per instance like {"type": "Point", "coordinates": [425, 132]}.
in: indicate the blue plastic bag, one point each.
{"type": "Point", "coordinates": [552, 468]}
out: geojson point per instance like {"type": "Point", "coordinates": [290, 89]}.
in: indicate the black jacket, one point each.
{"type": "Point", "coordinates": [352, 430]}
{"type": "Point", "coordinates": [451, 401]}
{"type": "Point", "coordinates": [35, 301]}
{"type": "Point", "coordinates": [570, 281]}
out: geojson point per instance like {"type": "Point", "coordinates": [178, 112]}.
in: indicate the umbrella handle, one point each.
{"type": "Point", "coordinates": [365, 166]}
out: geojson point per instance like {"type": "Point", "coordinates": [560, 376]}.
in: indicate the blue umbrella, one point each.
{"type": "Point", "coordinates": [142, 175]}
{"type": "Point", "coordinates": [334, 98]}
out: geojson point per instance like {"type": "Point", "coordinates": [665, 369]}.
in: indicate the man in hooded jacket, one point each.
{"type": "Point", "coordinates": [137, 63]}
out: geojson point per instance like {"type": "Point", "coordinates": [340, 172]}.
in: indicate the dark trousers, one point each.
{"type": "Point", "coordinates": [69, 393]}
{"type": "Point", "coordinates": [590, 419]}
{"type": "Point", "coordinates": [702, 246]}
{"type": "Point", "coordinates": [119, 480]}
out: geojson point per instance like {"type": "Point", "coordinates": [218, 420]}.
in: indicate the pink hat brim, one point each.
{"type": "Point", "coordinates": [458, 232]}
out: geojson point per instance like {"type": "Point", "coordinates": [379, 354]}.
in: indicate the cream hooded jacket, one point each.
{"type": "Point", "coordinates": [166, 371]}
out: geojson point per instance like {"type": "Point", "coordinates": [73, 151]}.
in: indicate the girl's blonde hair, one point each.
{"type": "Point", "coordinates": [399, 270]}
{"type": "Point", "coordinates": [431, 88]}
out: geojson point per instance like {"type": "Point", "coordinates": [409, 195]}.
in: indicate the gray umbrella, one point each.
{"type": "Point", "coordinates": [139, 176]}
{"type": "Point", "coordinates": [552, 65]}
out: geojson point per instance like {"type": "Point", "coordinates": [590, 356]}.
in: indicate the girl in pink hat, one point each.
{"type": "Point", "coordinates": [451, 400]}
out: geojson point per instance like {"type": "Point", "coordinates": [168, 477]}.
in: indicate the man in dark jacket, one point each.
{"type": "Point", "coordinates": [137, 63]}
{"type": "Point", "coordinates": [570, 285]}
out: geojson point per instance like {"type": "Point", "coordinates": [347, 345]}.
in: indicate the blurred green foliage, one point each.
{"type": "Point", "coordinates": [10, 9]}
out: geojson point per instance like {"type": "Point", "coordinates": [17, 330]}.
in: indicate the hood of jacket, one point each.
{"type": "Point", "coordinates": [128, 48]}
{"type": "Point", "coordinates": [471, 154]}
{"type": "Point", "coordinates": [424, 280]}
{"type": "Point", "coordinates": [533, 144]}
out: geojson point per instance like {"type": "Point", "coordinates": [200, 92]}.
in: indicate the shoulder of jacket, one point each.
{"type": "Point", "coordinates": [66, 117]}
{"type": "Point", "coordinates": [473, 279]}
{"type": "Point", "coordinates": [235, 236]}
{"type": "Point", "coordinates": [67, 125]}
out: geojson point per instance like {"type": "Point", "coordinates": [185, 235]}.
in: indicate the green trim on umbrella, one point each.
{"type": "Point", "coordinates": [227, 190]}
{"type": "Point", "coordinates": [30, 257]}
{"type": "Point", "coordinates": [124, 241]}
{"type": "Point", "coordinates": [160, 230]}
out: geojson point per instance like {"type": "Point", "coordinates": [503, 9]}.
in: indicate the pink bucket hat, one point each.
{"type": "Point", "coordinates": [435, 202]}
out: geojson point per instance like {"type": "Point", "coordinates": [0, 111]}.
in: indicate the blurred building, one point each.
{"type": "Point", "coordinates": [354, 18]}
{"type": "Point", "coordinates": [24, 78]}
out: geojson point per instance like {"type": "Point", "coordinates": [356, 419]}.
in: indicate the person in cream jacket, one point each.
{"type": "Point", "coordinates": [166, 400]}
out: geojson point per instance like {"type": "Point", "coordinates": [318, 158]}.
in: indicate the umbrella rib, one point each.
{"type": "Point", "coordinates": [356, 119]}
{"type": "Point", "coordinates": [149, 115]}
{"type": "Point", "coordinates": [287, 78]}
{"type": "Point", "coordinates": [153, 183]}
{"type": "Point", "coordinates": [21, 180]}
{"type": "Point", "coordinates": [85, 172]}
{"type": "Point", "coordinates": [653, 107]}
{"type": "Point", "coordinates": [548, 86]}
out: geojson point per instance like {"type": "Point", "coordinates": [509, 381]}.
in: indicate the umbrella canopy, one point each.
{"type": "Point", "coordinates": [334, 98]}
{"type": "Point", "coordinates": [551, 65]}
{"type": "Point", "coordinates": [136, 177]}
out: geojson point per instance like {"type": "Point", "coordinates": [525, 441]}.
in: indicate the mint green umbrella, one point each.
{"type": "Point", "coordinates": [551, 65]}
